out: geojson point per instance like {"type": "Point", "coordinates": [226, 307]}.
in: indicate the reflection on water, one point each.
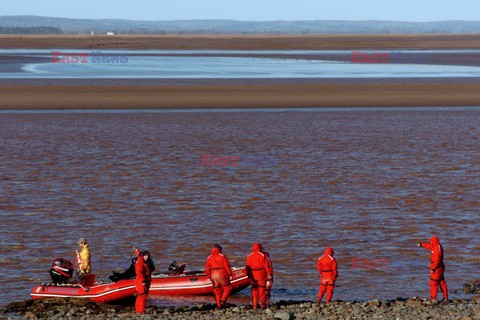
{"type": "Point", "coordinates": [226, 67]}
{"type": "Point", "coordinates": [371, 184]}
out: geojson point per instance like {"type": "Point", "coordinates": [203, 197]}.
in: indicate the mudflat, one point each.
{"type": "Point", "coordinates": [244, 42]}
{"type": "Point", "coordinates": [237, 96]}
{"type": "Point", "coordinates": [232, 94]}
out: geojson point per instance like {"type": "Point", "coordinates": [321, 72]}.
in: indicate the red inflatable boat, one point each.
{"type": "Point", "coordinates": [186, 283]}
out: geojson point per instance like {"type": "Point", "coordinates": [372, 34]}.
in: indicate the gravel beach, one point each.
{"type": "Point", "coordinates": [402, 309]}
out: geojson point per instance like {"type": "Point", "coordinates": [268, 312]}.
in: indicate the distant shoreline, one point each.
{"type": "Point", "coordinates": [244, 42]}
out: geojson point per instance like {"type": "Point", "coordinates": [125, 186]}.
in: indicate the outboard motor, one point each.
{"type": "Point", "coordinates": [61, 270]}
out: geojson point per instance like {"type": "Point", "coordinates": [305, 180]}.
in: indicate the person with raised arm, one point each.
{"type": "Point", "coordinates": [437, 267]}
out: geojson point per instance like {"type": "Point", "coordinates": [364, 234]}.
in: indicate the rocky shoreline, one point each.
{"type": "Point", "coordinates": [399, 309]}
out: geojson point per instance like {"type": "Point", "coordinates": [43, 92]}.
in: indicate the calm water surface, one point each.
{"type": "Point", "coordinates": [370, 183]}
{"type": "Point", "coordinates": [225, 64]}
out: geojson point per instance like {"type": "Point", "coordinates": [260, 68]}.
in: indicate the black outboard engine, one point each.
{"type": "Point", "coordinates": [61, 270]}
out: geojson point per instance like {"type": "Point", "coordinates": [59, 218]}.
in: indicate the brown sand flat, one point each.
{"type": "Point", "coordinates": [237, 96]}
{"type": "Point", "coordinates": [244, 42]}
{"type": "Point", "coordinates": [241, 95]}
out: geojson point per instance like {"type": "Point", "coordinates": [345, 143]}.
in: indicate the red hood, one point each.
{"type": "Point", "coordinates": [329, 251]}
{"type": "Point", "coordinates": [257, 247]}
{"type": "Point", "coordinates": [215, 250]}
{"type": "Point", "coordinates": [434, 240]}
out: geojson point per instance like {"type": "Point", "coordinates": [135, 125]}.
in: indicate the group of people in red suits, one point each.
{"type": "Point", "coordinates": [260, 272]}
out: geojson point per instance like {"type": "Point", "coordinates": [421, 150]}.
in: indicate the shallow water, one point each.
{"type": "Point", "coordinates": [223, 64]}
{"type": "Point", "coordinates": [370, 183]}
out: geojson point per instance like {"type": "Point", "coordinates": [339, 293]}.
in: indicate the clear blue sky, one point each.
{"type": "Point", "coordinates": [405, 10]}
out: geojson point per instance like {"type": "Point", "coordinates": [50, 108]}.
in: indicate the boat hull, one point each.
{"type": "Point", "coordinates": [101, 293]}
{"type": "Point", "coordinates": [162, 285]}
{"type": "Point", "coordinates": [196, 284]}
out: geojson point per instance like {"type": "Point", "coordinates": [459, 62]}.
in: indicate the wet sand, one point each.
{"type": "Point", "coordinates": [237, 95]}
{"type": "Point", "coordinates": [244, 42]}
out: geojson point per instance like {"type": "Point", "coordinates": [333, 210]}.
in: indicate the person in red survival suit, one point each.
{"type": "Point", "coordinates": [258, 272]}
{"type": "Point", "coordinates": [142, 280]}
{"type": "Point", "coordinates": [437, 268]}
{"type": "Point", "coordinates": [269, 283]}
{"type": "Point", "coordinates": [219, 272]}
{"type": "Point", "coordinates": [327, 267]}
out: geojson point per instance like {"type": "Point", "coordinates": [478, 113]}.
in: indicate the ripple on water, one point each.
{"type": "Point", "coordinates": [370, 184]}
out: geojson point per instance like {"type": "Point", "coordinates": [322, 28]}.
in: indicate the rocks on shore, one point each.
{"type": "Point", "coordinates": [404, 309]}
{"type": "Point", "coordinates": [472, 287]}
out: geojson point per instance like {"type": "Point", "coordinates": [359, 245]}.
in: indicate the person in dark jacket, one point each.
{"type": "Point", "coordinates": [129, 273]}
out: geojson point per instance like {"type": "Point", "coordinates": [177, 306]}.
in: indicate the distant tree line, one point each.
{"type": "Point", "coordinates": [37, 25]}
{"type": "Point", "coordinates": [30, 30]}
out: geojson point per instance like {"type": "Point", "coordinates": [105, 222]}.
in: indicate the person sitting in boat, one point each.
{"type": "Point", "coordinates": [143, 278]}
{"type": "Point", "coordinates": [219, 272]}
{"type": "Point", "coordinates": [83, 259]}
{"type": "Point", "coordinates": [129, 273]}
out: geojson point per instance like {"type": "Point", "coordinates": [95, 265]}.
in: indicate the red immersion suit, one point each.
{"type": "Point", "coordinates": [142, 283]}
{"type": "Point", "coordinates": [218, 270]}
{"type": "Point", "coordinates": [258, 272]}
{"type": "Point", "coordinates": [437, 268]}
{"type": "Point", "coordinates": [327, 267]}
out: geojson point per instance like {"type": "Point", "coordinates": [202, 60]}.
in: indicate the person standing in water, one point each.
{"type": "Point", "coordinates": [327, 268]}
{"type": "Point", "coordinates": [437, 268]}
